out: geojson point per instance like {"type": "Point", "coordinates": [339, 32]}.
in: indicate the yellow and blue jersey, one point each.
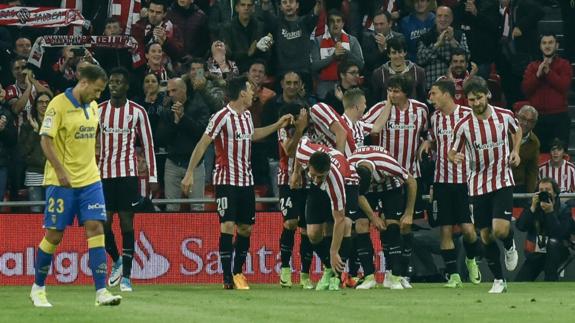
{"type": "Point", "coordinates": [73, 127]}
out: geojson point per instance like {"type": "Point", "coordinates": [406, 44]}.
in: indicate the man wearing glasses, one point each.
{"type": "Point", "coordinates": [525, 174]}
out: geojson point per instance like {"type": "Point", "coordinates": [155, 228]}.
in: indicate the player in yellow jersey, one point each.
{"type": "Point", "coordinates": [73, 181]}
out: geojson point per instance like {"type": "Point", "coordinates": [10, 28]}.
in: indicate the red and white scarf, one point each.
{"type": "Point", "coordinates": [40, 17]}
{"type": "Point", "coordinates": [327, 49]}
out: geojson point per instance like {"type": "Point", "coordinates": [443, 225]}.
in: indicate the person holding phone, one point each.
{"type": "Point", "coordinates": [547, 222]}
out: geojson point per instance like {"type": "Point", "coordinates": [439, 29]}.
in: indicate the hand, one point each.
{"type": "Point", "coordinates": [338, 92]}
{"type": "Point", "coordinates": [252, 49]}
{"type": "Point", "coordinates": [160, 34]}
{"type": "Point", "coordinates": [514, 159]}
{"type": "Point", "coordinates": [540, 69]}
{"type": "Point", "coordinates": [516, 33]}
{"type": "Point", "coordinates": [458, 158]}
{"type": "Point", "coordinates": [28, 80]}
{"type": "Point", "coordinates": [284, 121]}
{"type": "Point", "coordinates": [2, 94]}
{"type": "Point", "coordinates": [3, 122]}
{"type": "Point", "coordinates": [302, 120]}
{"type": "Point", "coordinates": [395, 15]}
{"type": "Point", "coordinates": [425, 148]}
{"type": "Point", "coordinates": [441, 39]}
{"type": "Point", "coordinates": [474, 69]}
{"type": "Point", "coordinates": [339, 50]}
{"type": "Point", "coordinates": [187, 183]}
{"type": "Point", "coordinates": [547, 207]}
{"type": "Point", "coordinates": [336, 263]}
{"type": "Point", "coordinates": [63, 178]}
{"type": "Point", "coordinates": [406, 221]}
{"type": "Point", "coordinates": [199, 83]}
{"type": "Point", "coordinates": [178, 109]}
{"type": "Point", "coordinates": [154, 189]}
{"type": "Point", "coordinates": [265, 43]}
{"type": "Point", "coordinates": [380, 41]}
{"type": "Point", "coordinates": [379, 223]}
{"type": "Point", "coordinates": [295, 180]}
{"type": "Point", "coordinates": [534, 202]}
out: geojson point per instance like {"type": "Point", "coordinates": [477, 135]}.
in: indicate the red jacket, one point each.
{"type": "Point", "coordinates": [548, 93]}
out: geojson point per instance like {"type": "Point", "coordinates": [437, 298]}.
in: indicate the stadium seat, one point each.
{"type": "Point", "coordinates": [497, 95]}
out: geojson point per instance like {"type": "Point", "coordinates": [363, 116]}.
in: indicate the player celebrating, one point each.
{"type": "Point", "coordinates": [233, 132]}
{"type": "Point", "coordinates": [450, 196]}
{"type": "Point", "coordinates": [374, 165]}
{"type": "Point", "coordinates": [482, 138]}
{"type": "Point", "coordinates": [71, 174]}
{"type": "Point", "coordinates": [122, 121]}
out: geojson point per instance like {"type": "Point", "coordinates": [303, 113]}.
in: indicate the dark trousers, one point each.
{"type": "Point", "coordinates": [548, 262]}
{"type": "Point", "coordinates": [552, 126]}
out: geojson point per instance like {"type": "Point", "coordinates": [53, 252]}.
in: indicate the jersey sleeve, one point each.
{"type": "Point", "coordinates": [512, 122]}
{"type": "Point", "coordinates": [323, 115]}
{"type": "Point", "coordinates": [303, 152]}
{"type": "Point", "coordinates": [431, 135]}
{"type": "Point", "coordinates": [458, 140]}
{"type": "Point", "coordinates": [391, 167]}
{"type": "Point", "coordinates": [216, 123]}
{"type": "Point", "coordinates": [145, 133]}
{"type": "Point", "coordinates": [336, 189]}
{"type": "Point", "coordinates": [52, 120]}
{"type": "Point", "coordinates": [373, 113]}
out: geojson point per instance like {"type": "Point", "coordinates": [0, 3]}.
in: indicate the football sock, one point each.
{"type": "Point", "coordinates": [127, 253]}
{"type": "Point", "coordinates": [450, 260]}
{"type": "Point", "coordinates": [492, 254]}
{"type": "Point", "coordinates": [97, 260]}
{"type": "Point", "coordinates": [364, 249]}
{"type": "Point", "coordinates": [472, 250]}
{"type": "Point", "coordinates": [508, 241]}
{"type": "Point", "coordinates": [241, 252]}
{"type": "Point", "coordinates": [111, 247]}
{"type": "Point", "coordinates": [226, 249]}
{"type": "Point", "coordinates": [286, 246]}
{"type": "Point", "coordinates": [43, 261]}
{"type": "Point", "coordinates": [394, 248]}
{"type": "Point", "coordinates": [406, 249]}
{"type": "Point", "coordinates": [306, 253]}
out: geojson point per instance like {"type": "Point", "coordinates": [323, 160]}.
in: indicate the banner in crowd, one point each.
{"type": "Point", "coordinates": [40, 17]}
{"type": "Point", "coordinates": [170, 249]}
{"type": "Point", "coordinates": [119, 42]}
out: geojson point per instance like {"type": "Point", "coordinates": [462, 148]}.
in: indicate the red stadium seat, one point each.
{"type": "Point", "coordinates": [518, 105]}
{"type": "Point", "coordinates": [497, 96]}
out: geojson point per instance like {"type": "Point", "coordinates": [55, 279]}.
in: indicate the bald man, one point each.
{"type": "Point", "coordinates": [182, 124]}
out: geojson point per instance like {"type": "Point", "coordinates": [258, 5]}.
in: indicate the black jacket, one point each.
{"type": "Point", "coordinates": [8, 137]}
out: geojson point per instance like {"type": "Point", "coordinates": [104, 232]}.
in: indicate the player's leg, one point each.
{"type": "Point", "coordinates": [305, 247]}
{"type": "Point", "coordinates": [393, 207]}
{"type": "Point", "coordinates": [131, 199]}
{"type": "Point", "coordinates": [444, 206]}
{"type": "Point", "coordinates": [92, 215]}
{"type": "Point", "coordinates": [365, 253]}
{"type": "Point", "coordinates": [472, 246]}
{"type": "Point", "coordinates": [227, 219]}
{"type": "Point", "coordinates": [351, 211]}
{"type": "Point", "coordinates": [58, 213]}
{"type": "Point", "coordinates": [502, 230]}
{"type": "Point", "coordinates": [245, 219]}
{"type": "Point", "coordinates": [287, 238]}
{"type": "Point", "coordinates": [111, 196]}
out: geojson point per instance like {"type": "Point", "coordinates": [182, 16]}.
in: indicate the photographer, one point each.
{"type": "Point", "coordinates": [547, 223]}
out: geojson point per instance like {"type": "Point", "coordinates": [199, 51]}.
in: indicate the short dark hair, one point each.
{"type": "Point", "coordinates": [458, 51]}
{"type": "Point", "coordinates": [320, 161]}
{"type": "Point", "coordinates": [290, 108]}
{"type": "Point", "coordinates": [364, 179]}
{"type": "Point", "coordinates": [112, 20]}
{"type": "Point", "coordinates": [120, 70]}
{"type": "Point", "coordinates": [553, 183]}
{"type": "Point", "coordinates": [547, 34]}
{"type": "Point", "coordinates": [398, 43]}
{"type": "Point", "coordinates": [159, 3]}
{"type": "Point", "coordinates": [236, 85]}
{"type": "Point", "coordinates": [344, 66]}
{"type": "Point", "coordinates": [92, 73]}
{"type": "Point", "coordinates": [402, 82]}
{"type": "Point", "coordinates": [292, 72]}
{"type": "Point", "coordinates": [259, 61]}
{"type": "Point", "coordinates": [34, 110]}
{"type": "Point", "coordinates": [445, 86]}
{"type": "Point", "coordinates": [384, 12]}
{"type": "Point", "coordinates": [149, 45]}
{"type": "Point", "coordinates": [17, 58]}
{"type": "Point", "coordinates": [334, 12]}
{"type": "Point", "coordinates": [476, 84]}
{"type": "Point", "coordinates": [189, 60]}
{"type": "Point", "coordinates": [556, 142]}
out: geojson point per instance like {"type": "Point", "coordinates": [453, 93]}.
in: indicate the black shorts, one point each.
{"type": "Point", "coordinates": [236, 204]}
{"type": "Point", "coordinates": [352, 210]}
{"type": "Point", "coordinates": [121, 194]}
{"type": "Point", "coordinates": [494, 205]}
{"type": "Point", "coordinates": [393, 203]}
{"type": "Point", "coordinates": [317, 206]}
{"type": "Point", "coordinates": [292, 204]}
{"type": "Point", "coordinates": [450, 204]}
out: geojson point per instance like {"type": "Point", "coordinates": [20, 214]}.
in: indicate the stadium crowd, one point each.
{"type": "Point", "coordinates": [350, 65]}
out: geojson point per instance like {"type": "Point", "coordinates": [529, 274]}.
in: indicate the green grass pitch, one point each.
{"type": "Point", "coordinates": [525, 302]}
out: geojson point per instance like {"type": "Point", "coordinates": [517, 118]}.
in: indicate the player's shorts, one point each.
{"type": "Point", "coordinates": [121, 194]}
{"type": "Point", "coordinates": [375, 202]}
{"type": "Point", "coordinates": [292, 204]}
{"type": "Point", "coordinates": [352, 209]}
{"type": "Point", "coordinates": [393, 203]}
{"type": "Point", "coordinates": [317, 206]}
{"type": "Point", "coordinates": [236, 204]}
{"type": "Point", "coordinates": [450, 204]}
{"type": "Point", "coordinates": [494, 205]}
{"type": "Point", "coordinates": [63, 204]}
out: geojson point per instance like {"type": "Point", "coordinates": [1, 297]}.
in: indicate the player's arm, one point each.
{"type": "Point", "coordinates": [197, 155]}
{"type": "Point", "coordinates": [261, 133]}
{"type": "Point", "coordinates": [381, 120]}
{"type": "Point", "coordinates": [290, 145]}
{"type": "Point", "coordinates": [17, 105]}
{"type": "Point", "coordinates": [340, 135]}
{"type": "Point", "coordinates": [47, 144]}
{"type": "Point", "coordinates": [295, 181]}
{"type": "Point", "coordinates": [407, 217]}
{"type": "Point", "coordinates": [516, 138]}
{"type": "Point", "coordinates": [366, 208]}
{"type": "Point", "coordinates": [338, 233]}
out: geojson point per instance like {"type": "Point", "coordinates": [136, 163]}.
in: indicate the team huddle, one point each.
{"type": "Point", "coordinates": [331, 185]}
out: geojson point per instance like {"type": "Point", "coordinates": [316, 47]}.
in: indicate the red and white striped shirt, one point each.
{"type": "Point", "coordinates": [401, 136]}
{"type": "Point", "coordinates": [119, 128]}
{"type": "Point", "coordinates": [460, 97]}
{"type": "Point", "coordinates": [341, 172]}
{"type": "Point", "coordinates": [487, 149]}
{"type": "Point", "coordinates": [322, 117]}
{"type": "Point", "coordinates": [383, 164]}
{"type": "Point", "coordinates": [441, 132]}
{"type": "Point", "coordinates": [359, 130]}
{"type": "Point", "coordinates": [285, 167]}
{"type": "Point", "coordinates": [563, 175]}
{"type": "Point", "coordinates": [232, 134]}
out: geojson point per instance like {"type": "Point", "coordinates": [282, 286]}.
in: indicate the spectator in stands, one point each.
{"type": "Point", "coordinates": [22, 47]}
{"type": "Point", "coordinates": [526, 173]}
{"type": "Point", "coordinates": [5, 55]}
{"type": "Point", "coordinates": [481, 23]}
{"type": "Point", "coordinates": [20, 96]}
{"type": "Point", "coordinates": [458, 73]}
{"type": "Point", "coordinates": [434, 48]}
{"type": "Point", "coordinates": [568, 17]}
{"type": "Point", "coordinates": [155, 28]}
{"type": "Point", "coordinates": [419, 22]}
{"type": "Point", "coordinates": [180, 128]}
{"type": "Point", "coordinates": [242, 34]}
{"type": "Point", "coordinates": [32, 154]}
{"type": "Point", "coordinates": [374, 42]}
{"type": "Point", "coordinates": [518, 46]}
{"type": "Point", "coordinates": [8, 135]}
{"type": "Point", "coordinates": [193, 23]}
{"type": "Point", "coordinates": [220, 13]}
{"type": "Point", "coordinates": [349, 77]}
{"type": "Point", "coordinates": [559, 169]}
{"type": "Point", "coordinates": [546, 84]}
{"type": "Point", "coordinates": [66, 66]}
{"type": "Point", "coordinates": [152, 100]}
{"type": "Point", "coordinates": [155, 62]}
{"type": "Point", "coordinates": [113, 57]}
{"type": "Point", "coordinates": [547, 222]}
{"type": "Point", "coordinates": [211, 89]}
{"type": "Point", "coordinates": [329, 49]}
{"type": "Point", "coordinates": [291, 32]}
{"type": "Point", "coordinates": [398, 65]}
{"type": "Point", "coordinates": [219, 66]}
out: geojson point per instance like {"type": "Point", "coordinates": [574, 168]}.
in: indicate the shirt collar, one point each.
{"type": "Point", "coordinates": [75, 102]}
